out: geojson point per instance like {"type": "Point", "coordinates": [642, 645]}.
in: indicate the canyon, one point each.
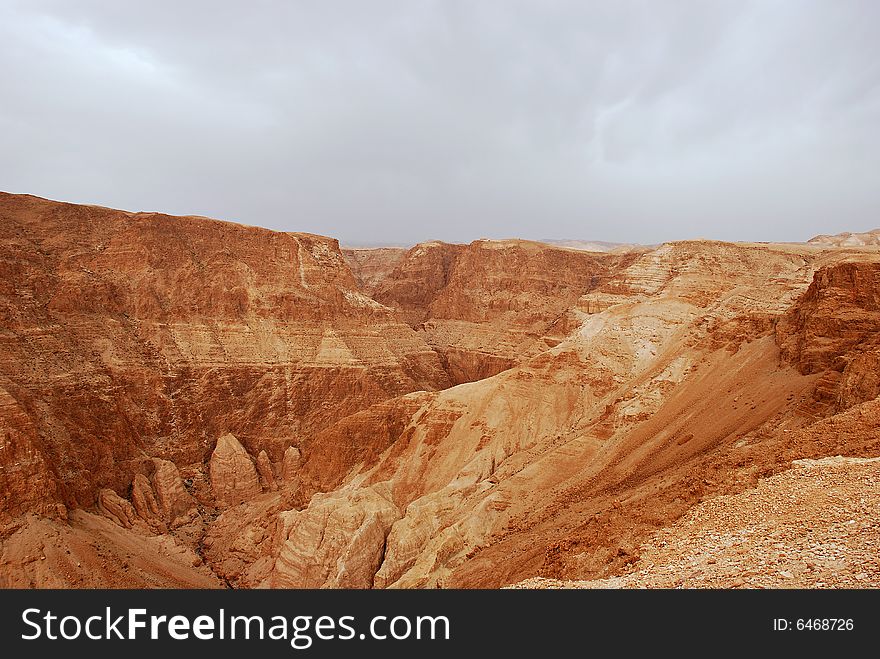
{"type": "Point", "coordinates": [186, 402]}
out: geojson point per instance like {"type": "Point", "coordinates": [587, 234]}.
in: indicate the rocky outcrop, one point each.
{"type": "Point", "coordinates": [838, 312]}
{"type": "Point", "coordinates": [835, 329]}
{"type": "Point", "coordinates": [290, 463]}
{"type": "Point", "coordinates": [247, 398]}
{"type": "Point", "coordinates": [264, 471]}
{"type": "Point", "coordinates": [486, 472]}
{"type": "Point", "coordinates": [234, 478]}
{"type": "Point", "coordinates": [159, 502]}
{"type": "Point", "coordinates": [371, 266]}
{"type": "Point", "coordinates": [27, 481]}
{"type": "Point", "coordinates": [116, 509]}
{"type": "Point", "coordinates": [489, 305]}
{"type": "Point", "coordinates": [860, 380]}
{"type": "Point", "coordinates": [175, 504]}
{"type": "Point", "coordinates": [143, 499]}
{"type": "Point", "coordinates": [337, 542]}
{"type": "Point", "coordinates": [417, 279]}
{"type": "Point", "coordinates": [132, 336]}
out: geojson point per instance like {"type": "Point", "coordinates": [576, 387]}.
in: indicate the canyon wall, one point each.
{"type": "Point", "coordinates": [262, 409]}
{"type": "Point", "coordinates": [489, 305]}
{"type": "Point", "coordinates": [126, 337]}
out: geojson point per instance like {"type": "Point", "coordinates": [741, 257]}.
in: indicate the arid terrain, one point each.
{"type": "Point", "coordinates": [186, 402]}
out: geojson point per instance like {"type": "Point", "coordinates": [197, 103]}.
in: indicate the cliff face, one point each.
{"type": "Point", "coordinates": [256, 409]}
{"type": "Point", "coordinates": [125, 337]}
{"type": "Point", "coordinates": [489, 305]}
{"type": "Point", "coordinates": [371, 266]}
{"type": "Point", "coordinates": [833, 329]}
{"type": "Point", "coordinates": [417, 279]}
{"type": "Point", "coordinates": [486, 481]}
{"type": "Point", "coordinates": [668, 388]}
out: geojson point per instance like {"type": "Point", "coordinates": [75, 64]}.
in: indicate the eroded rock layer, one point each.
{"type": "Point", "coordinates": [670, 387]}
{"type": "Point", "coordinates": [126, 337]}
{"type": "Point", "coordinates": [268, 412]}
{"type": "Point", "coordinates": [489, 305]}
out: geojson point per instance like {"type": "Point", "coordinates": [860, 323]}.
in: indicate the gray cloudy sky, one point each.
{"type": "Point", "coordinates": [403, 121]}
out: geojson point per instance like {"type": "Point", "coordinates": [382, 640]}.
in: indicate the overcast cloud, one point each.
{"type": "Point", "coordinates": [405, 121]}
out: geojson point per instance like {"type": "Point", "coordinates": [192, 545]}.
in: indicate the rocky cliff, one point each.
{"type": "Point", "coordinates": [489, 305]}
{"type": "Point", "coordinates": [371, 266]}
{"type": "Point", "coordinates": [670, 387]}
{"type": "Point", "coordinates": [126, 337]}
{"type": "Point", "coordinates": [833, 330]}
{"type": "Point", "coordinates": [253, 408]}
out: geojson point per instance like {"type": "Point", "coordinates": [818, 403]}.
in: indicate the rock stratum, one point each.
{"type": "Point", "coordinates": [186, 402]}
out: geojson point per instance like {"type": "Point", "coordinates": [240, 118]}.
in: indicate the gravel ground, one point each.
{"type": "Point", "coordinates": [816, 525]}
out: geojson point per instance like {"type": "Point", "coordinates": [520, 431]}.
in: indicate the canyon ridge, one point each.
{"type": "Point", "coordinates": [186, 402]}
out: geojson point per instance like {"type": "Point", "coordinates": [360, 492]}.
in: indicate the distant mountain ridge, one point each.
{"type": "Point", "coordinates": [848, 239]}
{"type": "Point", "coordinates": [593, 245]}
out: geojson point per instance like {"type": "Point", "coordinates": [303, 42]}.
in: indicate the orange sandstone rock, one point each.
{"type": "Point", "coordinates": [233, 475]}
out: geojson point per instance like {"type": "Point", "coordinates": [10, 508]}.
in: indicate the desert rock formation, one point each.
{"type": "Point", "coordinates": [848, 239]}
{"type": "Point", "coordinates": [487, 306]}
{"type": "Point", "coordinates": [233, 475]}
{"type": "Point", "coordinates": [132, 336]}
{"type": "Point", "coordinates": [370, 266]}
{"type": "Point", "coordinates": [254, 408]}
